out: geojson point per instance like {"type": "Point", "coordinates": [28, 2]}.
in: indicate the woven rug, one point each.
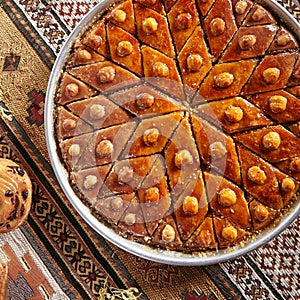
{"type": "Point", "coordinates": [55, 255]}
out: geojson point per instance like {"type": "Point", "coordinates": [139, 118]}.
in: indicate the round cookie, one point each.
{"type": "Point", "coordinates": [15, 195]}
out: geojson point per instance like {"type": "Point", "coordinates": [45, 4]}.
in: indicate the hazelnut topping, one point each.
{"type": "Point", "coordinates": [240, 7]}
{"type": "Point", "coordinates": [229, 233]}
{"type": "Point", "coordinates": [183, 158]}
{"type": "Point", "coordinates": [69, 124]}
{"type": "Point", "coordinates": [271, 140]}
{"type": "Point", "coordinates": [258, 15]}
{"type": "Point", "coordinates": [74, 150]}
{"type": "Point", "coordinates": [72, 89]}
{"type": "Point", "coordinates": [217, 150]}
{"type": "Point", "coordinates": [247, 41]}
{"type": "Point", "coordinates": [194, 62]}
{"type": "Point", "coordinates": [116, 203]}
{"type": "Point", "coordinates": [124, 48]}
{"type": "Point", "coordinates": [119, 15]}
{"type": "Point", "coordinates": [223, 80]}
{"type": "Point", "coordinates": [217, 26]}
{"type": "Point", "coordinates": [97, 111]}
{"type": "Point", "coordinates": [168, 234]}
{"type": "Point", "coordinates": [84, 55]}
{"type": "Point", "coordinates": [295, 165]}
{"type": "Point", "coordinates": [125, 174]}
{"type": "Point", "coordinates": [160, 69]}
{"type": "Point", "coordinates": [256, 175]}
{"type": "Point", "coordinates": [277, 103]}
{"type": "Point", "coordinates": [95, 40]}
{"type": "Point", "coordinates": [227, 197]}
{"type": "Point", "coordinates": [190, 205]}
{"type": "Point", "coordinates": [151, 136]}
{"type": "Point", "coordinates": [104, 148]}
{"type": "Point", "coordinates": [130, 219]}
{"type": "Point", "coordinates": [149, 25]}
{"type": "Point", "coordinates": [148, 2]}
{"type": "Point", "coordinates": [90, 182]}
{"type": "Point", "coordinates": [261, 213]}
{"type": "Point", "coordinates": [271, 75]}
{"type": "Point", "coordinates": [183, 21]}
{"type": "Point", "coordinates": [152, 195]}
{"type": "Point", "coordinates": [288, 185]}
{"type": "Point", "coordinates": [205, 237]}
{"type": "Point", "coordinates": [144, 100]}
{"type": "Point", "coordinates": [107, 74]}
{"type": "Point", "coordinates": [283, 39]}
{"type": "Point", "coordinates": [234, 114]}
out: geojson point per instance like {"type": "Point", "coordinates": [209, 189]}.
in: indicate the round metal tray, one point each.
{"type": "Point", "coordinates": [162, 256]}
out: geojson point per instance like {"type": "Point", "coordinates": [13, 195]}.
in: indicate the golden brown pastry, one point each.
{"type": "Point", "coordinates": [16, 195]}
{"type": "Point", "coordinates": [178, 121]}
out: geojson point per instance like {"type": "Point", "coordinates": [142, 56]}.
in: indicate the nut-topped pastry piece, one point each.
{"type": "Point", "coordinates": [178, 121]}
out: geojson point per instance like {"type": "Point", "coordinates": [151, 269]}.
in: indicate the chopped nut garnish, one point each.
{"type": "Point", "coordinates": [271, 75]}
{"type": "Point", "coordinates": [183, 21]}
{"type": "Point", "coordinates": [116, 203]}
{"type": "Point", "coordinates": [183, 158]}
{"type": "Point", "coordinates": [151, 136]}
{"type": "Point", "coordinates": [258, 15]}
{"type": "Point", "coordinates": [247, 41]}
{"type": "Point", "coordinates": [72, 89]}
{"type": "Point", "coordinates": [95, 40]}
{"type": "Point", "coordinates": [217, 26]}
{"type": "Point", "coordinates": [295, 165]}
{"type": "Point", "coordinates": [107, 74]}
{"type": "Point", "coordinates": [124, 48]}
{"type": "Point", "coordinates": [194, 62]}
{"type": "Point", "coordinates": [97, 111]}
{"type": "Point", "coordinates": [205, 237]}
{"type": "Point", "coordinates": [256, 175]}
{"type": "Point", "coordinates": [90, 182]}
{"type": "Point", "coordinates": [283, 39]}
{"type": "Point", "coordinates": [149, 25]}
{"type": "Point", "coordinates": [84, 55]}
{"type": "Point", "coordinates": [227, 197]}
{"type": "Point", "coordinates": [160, 69]}
{"type": "Point", "coordinates": [234, 114]}
{"type": "Point", "coordinates": [277, 103]}
{"type": "Point", "coordinates": [229, 233]}
{"type": "Point", "coordinates": [288, 185]}
{"type": "Point", "coordinates": [69, 124]}
{"type": "Point", "coordinates": [190, 205]}
{"type": "Point", "coordinates": [119, 15]}
{"type": "Point", "coordinates": [130, 219]}
{"type": "Point", "coordinates": [261, 213]}
{"type": "Point", "coordinates": [168, 234]}
{"type": "Point", "coordinates": [223, 80]}
{"type": "Point", "coordinates": [240, 7]}
{"type": "Point", "coordinates": [125, 174]}
{"type": "Point", "coordinates": [144, 100]}
{"type": "Point", "coordinates": [152, 195]}
{"type": "Point", "coordinates": [105, 148]}
{"type": "Point", "coordinates": [74, 150]}
{"type": "Point", "coordinates": [271, 140]}
{"type": "Point", "coordinates": [217, 150]}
